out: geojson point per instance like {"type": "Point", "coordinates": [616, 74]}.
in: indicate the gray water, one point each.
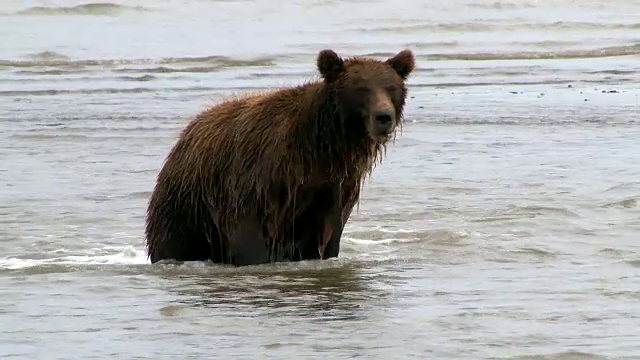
{"type": "Point", "coordinates": [503, 223]}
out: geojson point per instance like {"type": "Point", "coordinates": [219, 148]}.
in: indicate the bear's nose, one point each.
{"type": "Point", "coordinates": [384, 120]}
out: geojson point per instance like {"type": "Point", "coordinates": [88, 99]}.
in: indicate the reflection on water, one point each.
{"type": "Point", "coordinates": [335, 293]}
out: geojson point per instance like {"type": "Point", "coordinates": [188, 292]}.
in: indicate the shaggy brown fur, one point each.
{"type": "Point", "coordinates": [274, 176]}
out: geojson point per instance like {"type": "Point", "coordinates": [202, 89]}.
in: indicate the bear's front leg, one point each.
{"type": "Point", "coordinates": [331, 227]}
{"type": "Point", "coordinates": [247, 244]}
{"type": "Point", "coordinates": [337, 218]}
{"type": "Point", "coordinates": [331, 232]}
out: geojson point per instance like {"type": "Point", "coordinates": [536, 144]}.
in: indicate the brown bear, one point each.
{"type": "Point", "coordinates": [274, 177]}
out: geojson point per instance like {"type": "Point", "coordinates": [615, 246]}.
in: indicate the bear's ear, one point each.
{"type": "Point", "coordinates": [403, 63]}
{"type": "Point", "coordinates": [330, 65]}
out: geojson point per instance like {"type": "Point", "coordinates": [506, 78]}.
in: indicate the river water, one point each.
{"type": "Point", "coordinates": [503, 223]}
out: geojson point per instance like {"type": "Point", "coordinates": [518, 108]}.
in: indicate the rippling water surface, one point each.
{"type": "Point", "coordinates": [503, 223]}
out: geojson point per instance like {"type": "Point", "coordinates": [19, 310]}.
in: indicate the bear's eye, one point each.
{"type": "Point", "coordinates": [362, 90]}
{"type": "Point", "coordinates": [391, 88]}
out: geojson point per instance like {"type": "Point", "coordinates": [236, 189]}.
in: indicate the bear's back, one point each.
{"type": "Point", "coordinates": [249, 140]}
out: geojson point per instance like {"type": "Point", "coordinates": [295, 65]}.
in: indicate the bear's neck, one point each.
{"type": "Point", "coordinates": [330, 142]}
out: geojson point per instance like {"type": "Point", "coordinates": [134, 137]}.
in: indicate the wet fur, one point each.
{"type": "Point", "coordinates": [280, 166]}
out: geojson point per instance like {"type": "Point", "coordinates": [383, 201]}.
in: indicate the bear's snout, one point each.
{"type": "Point", "coordinates": [384, 120]}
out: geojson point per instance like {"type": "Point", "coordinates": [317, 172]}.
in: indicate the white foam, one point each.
{"type": "Point", "coordinates": [128, 255]}
{"type": "Point", "coordinates": [383, 229]}
{"type": "Point", "coordinates": [382, 241]}
{"type": "Point", "coordinates": [124, 256]}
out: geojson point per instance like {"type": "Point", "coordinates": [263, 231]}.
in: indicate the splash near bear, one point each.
{"type": "Point", "coordinates": [274, 177]}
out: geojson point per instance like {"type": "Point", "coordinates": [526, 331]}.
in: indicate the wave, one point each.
{"type": "Point", "coordinates": [81, 79]}
{"type": "Point", "coordinates": [51, 72]}
{"type": "Point", "coordinates": [104, 9]}
{"type": "Point", "coordinates": [497, 26]}
{"type": "Point", "coordinates": [612, 72]}
{"type": "Point", "coordinates": [564, 355]}
{"type": "Point", "coordinates": [628, 203]}
{"type": "Point", "coordinates": [612, 51]}
{"type": "Point", "coordinates": [138, 78]}
{"type": "Point", "coordinates": [491, 83]}
{"type": "Point", "coordinates": [585, 119]}
{"type": "Point", "coordinates": [49, 56]}
{"type": "Point", "coordinates": [52, 63]}
{"type": "Point", "coordinates": [168, 70]}
{"type": "Point", "coordinates": [516, 212]}
{"type": "Point", "coordinates": [111, 256]}
{"type": "Point", "coordinates": [60, 60]}
{"type": "Point", "coordinates": [244, 87]}
{"type": "Point", "coordinates": [379, 241]}
{"type": "Point", "coordinates": [626, 186]}
{"type": "Point", "coordinates": [381, 236]}
{"type": "Point", "coordinates": [502, 5]}
{"type": "Point", "coordinates": [137, 90]}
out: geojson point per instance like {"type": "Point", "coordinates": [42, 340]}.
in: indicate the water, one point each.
{"type": "Point", "coordinates": [502, 224]}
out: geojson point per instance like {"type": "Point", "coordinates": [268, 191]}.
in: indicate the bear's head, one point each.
{"type": "Point", "coordinates": [369, 94]}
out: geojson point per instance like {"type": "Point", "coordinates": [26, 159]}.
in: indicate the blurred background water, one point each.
{"type": "Point", "coordinates": [503, 223]}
